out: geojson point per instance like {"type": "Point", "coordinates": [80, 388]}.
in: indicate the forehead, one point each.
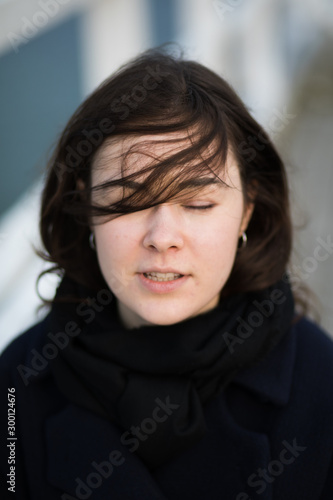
{"type": "Point", "coordinates": [123, 155]}
{"type": "Point", "coordinates": [135, 152]}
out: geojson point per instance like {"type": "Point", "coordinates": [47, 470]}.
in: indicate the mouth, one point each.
{"type": "Point", "coordinates": [157, 282]}
{"type": "Point", "coordinates": [155, 276]}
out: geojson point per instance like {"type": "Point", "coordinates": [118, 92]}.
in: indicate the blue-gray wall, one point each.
{"type": "Point", "coordinates": [163, 21]}
{"type": "Point", "coordinates": [39, 90]}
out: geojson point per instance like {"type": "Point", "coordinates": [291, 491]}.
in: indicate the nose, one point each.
{"type": "Point", "coordinates": [164, 229]}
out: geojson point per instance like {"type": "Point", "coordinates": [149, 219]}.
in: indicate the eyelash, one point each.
{"type": "Point", "coordinates": [202, 207]}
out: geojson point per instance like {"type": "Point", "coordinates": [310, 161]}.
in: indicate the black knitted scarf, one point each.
{"type": "Point", "coordinates": [153, 381]}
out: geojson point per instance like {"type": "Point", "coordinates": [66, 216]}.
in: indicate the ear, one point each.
{"type": "Point", "coordinates": [249, 207]}
{"type": "Point", "coordinates": [248, 211]}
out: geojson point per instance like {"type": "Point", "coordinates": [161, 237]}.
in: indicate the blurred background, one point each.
{"type": "Point", "coordinates": [277, 54]}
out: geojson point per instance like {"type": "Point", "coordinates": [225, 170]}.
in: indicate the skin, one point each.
{"type": "Point", "coordinates": [198, 242]}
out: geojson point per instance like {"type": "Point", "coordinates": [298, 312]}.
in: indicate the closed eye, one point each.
{"type": "Point", "coordinates": [199, 207]}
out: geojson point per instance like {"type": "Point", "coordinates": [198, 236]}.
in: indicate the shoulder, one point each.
{"type": "Point", "coordinates": [299, 369]}
{"type": "Point", "coordinates": [310, 409]}
{"type": "Point", "coordinates": [314, 349]}
{"type": "Point", "coordinates": [311, 331]}
{"type": "Point", "coordinates": [19, 347]}
{"type": "Point", "coordinates": [16, 360]}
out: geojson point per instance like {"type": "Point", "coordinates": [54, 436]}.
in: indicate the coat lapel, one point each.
{"type": "Point", "coordinates": [271, 379]}
{"type": "Point", "coordinates": [220, 465]}
{"type": "Point", "coordinates": [87, 460]}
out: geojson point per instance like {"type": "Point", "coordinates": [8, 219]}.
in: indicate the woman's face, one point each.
{"type": "Point", "coordinates": [169, 262]}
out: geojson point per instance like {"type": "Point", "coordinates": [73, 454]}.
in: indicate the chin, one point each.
{"type": "Point", "coordinates": [166, 317]}
{"type": "Point", "coordinates": [166, 322]}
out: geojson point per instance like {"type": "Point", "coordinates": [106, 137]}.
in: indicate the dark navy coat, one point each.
{"type": "Point", "coordinates": [270, 434]}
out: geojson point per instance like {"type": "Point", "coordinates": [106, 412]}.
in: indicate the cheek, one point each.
{"type": "Point", "coordinates": [115, 255]}
{"type": "Point", "coordinates": [114, 238]}
{"type": "Point", "coordinates": [217, 245]}
{"type": "Point", "coordinates": [117, 243]}
{"type": "Point", "coordinates": [113, 246]}
{"type": "Point", "coordinates": [221, 234]}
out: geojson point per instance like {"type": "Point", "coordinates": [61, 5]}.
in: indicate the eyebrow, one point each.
{"type": "Point", "coordinates": [199, 182]}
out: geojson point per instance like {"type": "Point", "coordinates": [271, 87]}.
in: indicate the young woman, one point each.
{"type": "Point", "coordinates": [172, 364]}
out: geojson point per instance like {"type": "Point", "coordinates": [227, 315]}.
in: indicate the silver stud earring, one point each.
{"type": "Point", "coordinates": [244, 240]}
{"type": "Point", "coordinates": [92, 241]}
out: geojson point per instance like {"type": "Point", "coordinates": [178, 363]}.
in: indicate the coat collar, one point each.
{"type": "Point", "coordinates": [271, 379]}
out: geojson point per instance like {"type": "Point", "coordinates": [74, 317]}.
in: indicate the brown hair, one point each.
{"type": "Point", "coordinates": [158, 93]}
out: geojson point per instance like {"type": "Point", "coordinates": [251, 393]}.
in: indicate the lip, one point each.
{"type": "Point", "coordinates": [162, 286]}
